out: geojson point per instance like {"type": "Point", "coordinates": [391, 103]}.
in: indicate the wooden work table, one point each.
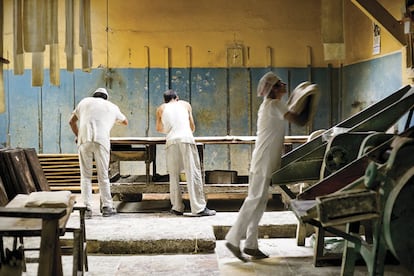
{"type": "Point", "coordinates": [46, 223]}
{"type": "Point", "coordinates": [201, 139]}
{"type": "Point", "coordinates": [144, 149]}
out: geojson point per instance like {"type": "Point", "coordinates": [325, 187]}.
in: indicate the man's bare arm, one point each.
{"type": "Point", "coordinates": [190, 115]}
{"type": "Point", "coordinates": [73, 122]}
{"type": "Point", "coordinates": [124, 122]}
{"type": "Point", "coordinates": [159, 125]}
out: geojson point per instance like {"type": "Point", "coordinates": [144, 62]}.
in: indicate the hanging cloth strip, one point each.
{"type": "Point", "coordinates": [85, 38]}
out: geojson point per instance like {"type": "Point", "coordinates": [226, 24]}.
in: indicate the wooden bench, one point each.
{"type": "Point", "coordinates": [47, 223]}
{"type": "Point", "coordinates": [22, 174]}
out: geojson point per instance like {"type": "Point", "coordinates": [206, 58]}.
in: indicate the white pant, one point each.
{"type": "Point", "coordinates": [87, 153]}
{"type": "Point", "coordinates": [185, 156]}
{"type": "Point", "coordinates": [251, 212]}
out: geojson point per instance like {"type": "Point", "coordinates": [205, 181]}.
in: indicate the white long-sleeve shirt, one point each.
{"type": "Point", "coordinates": [267, 153]}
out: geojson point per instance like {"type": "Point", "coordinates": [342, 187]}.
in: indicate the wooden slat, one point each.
{"type": "Point", "coordinates": [3, 195]}
{"type": "Point", "coordinates": [63, 172]}
{"type": "Point", "coordinates": [17, 163]}
{"type": "Point", "coordinates": [73, 188]}
{"type": "Point", "coordinates": [36, 170]}
{"type": "Point", "coordinates": [163, 187]}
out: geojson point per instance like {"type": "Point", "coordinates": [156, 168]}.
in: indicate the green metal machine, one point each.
{"type": "Point", "coordinates": [360, 177]}
{"type": "Point", "coordinates": [385, 205]}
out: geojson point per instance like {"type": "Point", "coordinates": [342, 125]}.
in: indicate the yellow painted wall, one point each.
{"type": "Point", "coordinates": [359, 32]}
{"type": "Point", "coordinates": [181, 33]}
{"type": "Point", "coordinates": [209, 27]}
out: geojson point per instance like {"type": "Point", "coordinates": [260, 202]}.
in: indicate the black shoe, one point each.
{"type": "Point", "coordinates": [236, 251]}
{"type": "Point", "coordinates": [255, 253]}
{"type": "Point", "coordinates": [206, 212]}
{"type": "Point", "coordinates": [177, 213]}
{"type": "Point", "coordinates": [108, 211]}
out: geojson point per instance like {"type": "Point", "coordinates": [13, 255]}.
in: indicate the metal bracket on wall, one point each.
{"type": "Point", "coordinates": [269, 57]}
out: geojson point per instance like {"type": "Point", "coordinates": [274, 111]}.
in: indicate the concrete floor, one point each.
{"type": "Point", "coordinates": [146, 240]}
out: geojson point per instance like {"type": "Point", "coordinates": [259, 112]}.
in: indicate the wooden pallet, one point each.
{"type": "Point", "coordinates": [62, 172]}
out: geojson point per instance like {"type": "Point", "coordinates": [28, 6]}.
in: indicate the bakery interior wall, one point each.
{"type": "Point", "coordinates": [213, 53]}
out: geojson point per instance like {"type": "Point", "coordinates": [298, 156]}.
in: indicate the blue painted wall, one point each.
{"type": "Point", "coordinates": [367, 82]}
{"type": "Point", "coordinates": [224, 102]}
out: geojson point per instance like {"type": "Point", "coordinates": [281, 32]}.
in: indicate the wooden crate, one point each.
{"type": "Point", "coordinates": [221, 177]}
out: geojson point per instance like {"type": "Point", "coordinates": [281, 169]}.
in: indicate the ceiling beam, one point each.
{"type": "Point", "coordinates": [378, 13]}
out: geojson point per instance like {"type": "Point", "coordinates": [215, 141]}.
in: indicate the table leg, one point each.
{"type": "Point", "coordinates": [200, 149]}
{"type": "Point", "coordinates": [1, 249]}
{"type": "Point", "coordinates": [50, 258]}
{"type": "Point", "coordinates": [301, 234]}
{"type": "Point", "coordinates": [150, 157]}
{"type": "Point", "coordinates": [154, 161]}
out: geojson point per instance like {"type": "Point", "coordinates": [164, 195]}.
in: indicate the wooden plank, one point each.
{"type": "Point", "coordinates": [63, 171]}
{"type": "Point", "coordinates": [18, 168]}
{"type": "Point", "coordinates": [33, 212]}
{"type": "Point", "coordinates": [63, 178]}
{"type": "Point", "coordinates": [3, 195]}
{"type": "Point", "coordinates": [229, 139]}
{"type": "Point", "coordinates": [75, 172]}
{"type": "Point", "coordinates": [346, 207]}
{"type": "Point", "coordinates": [72, 188]}
{"type": "Point", "coordinates": [61, 162]}
{"type": "Point", "coordinates": [134, 188]}
{"type": "Point", "coordinates": [7, 175]}
{"type": "Point", "coordinates": [58, 155]}
{"type": "Point", "coordinates": [36, 170]}
{"type": "Point", "coordinates": [377, 13]}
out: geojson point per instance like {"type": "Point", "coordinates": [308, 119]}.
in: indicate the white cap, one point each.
{"type": "Point", "coordinates": [101, 90]}
{"type": "Point", "coordinates": [266, 83]}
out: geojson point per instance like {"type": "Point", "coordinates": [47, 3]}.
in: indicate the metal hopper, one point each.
{"type": "Point", "coordinates": [319, 157]}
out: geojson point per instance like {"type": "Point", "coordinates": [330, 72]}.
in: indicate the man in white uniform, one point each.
{"type": "Point", "coordinates": [174, 118]}
{"type": "Point", "coordinates": [96, 117]}
{"type": "Point", "coordinates": [266, 159]}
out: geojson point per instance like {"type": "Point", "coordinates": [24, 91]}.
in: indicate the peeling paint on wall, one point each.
{"type": "Point", "coordinates": [224, 102]}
